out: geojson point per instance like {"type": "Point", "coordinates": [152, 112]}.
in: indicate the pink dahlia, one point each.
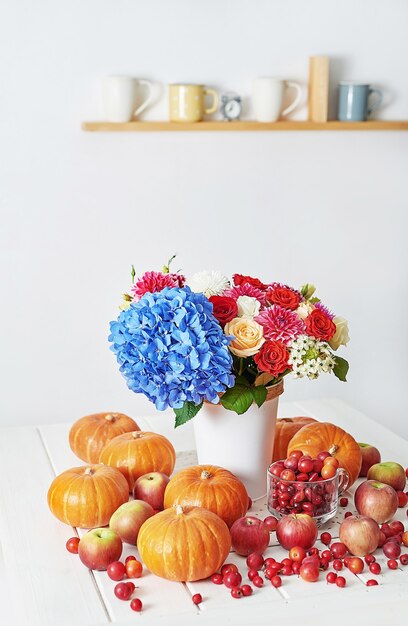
{"type": "Point", "coordinates": [245, 290]}
{"type": "Point", "coordinates": [324, 310]}
{"type": "Point", "coordinates": [151, 282]}
{"type": "Point", "coordinates": [280, 324]}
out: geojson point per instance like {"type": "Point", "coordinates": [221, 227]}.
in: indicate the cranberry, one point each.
{"type": "Point", "coordinates": [326, 555]}
{"type": "Point", "coordinates": [331, 577]}
{"type": "Point", "coordinates": [369, 558]}
{"type": "Point", "coordinates": [287, 562]}
{"type": "Point", "coordinates": [337, 565]}
{"type": "Point", "coordinates": [381, 540]}
{"type": "Point", "coordinates": [255, 560]}
{"type": "Point", "coordinates": [402, 499]}
{"type": "Point", "coordinates": [276, 581]}
{"type": "Point", "coordinates": [217, 579]}
{"type": "Point", "coordinates": [323, 455]}
{"type": "Point", "coordinates": [72, 545]}
{"type": "Point", "coordinates": [340, 581]}
{"type": "Point", "coordinates": [296, 568]}
{"type": "Point", "coordinates": [347, 514]}
{"type": "Point", "coordinates": [313, 551]}
{"type": "Point", "coordinates": [386, 530]}
{"type": "Point", "coordinates": [122, 591]}
{"type": "Point", "coordinates": [271, 523]}
{"type": "Point", "coordinates": [131, 586]}
{"type": "Point", "coordinates": [391, 549]}
{"type": "Point", "coordinates": [236, 592]}
{"type": "Point", "coordinates": [324, 564]}
{"type": "Point", "coordinates": [269, 573]}
{"type": "Point", "coordinates": [288, 474]}
{"type": "Point", "coordinates": [232, 579]}
{"type": "Point", "coordinates": [317, 466]}
{"type": "Point", "coordinates": [287, 570]}
{"type": "Point", "coordinates": [303, 477]}
{"type": "Point", "coordinates": [396, 527]}
{"type": "Point", "coordinates": [375, 568]}
{"type": "Point", "coordinates": [116, 570]}
{"type": "Point", "coordinates": [343, 501]}
{"type": "Point", "coordinates": [291, 463]}
{"type": "Point", "coordinates": [246, 590]}
{"type": "Point", "coordinates": [228, 567]}
{"type": "Point", "coordinates": [372, 582]}
{"type": "Point", "coordinates": [305, 465]}
{"type": "Point", "coordinates": [338, 550]}
{"type": "Point", "coordinates": [130, 558]}
{"type": "Point", "coordinates": [258, 581]}
{"type": "Point", "coordinates": [313, 477]}
{"type": "Point", "coordinates": [136, 604]}
{"type": "Point", "coordinates": [197, 598]}
{"type": "Point", "coordinates": [404, 559]}
{"type": "Point", "coordinates": [326, 538]}
{"type": "Point", "coordinates": [269, 561]}
{"type": "Point", "coordinates": [392, 564]}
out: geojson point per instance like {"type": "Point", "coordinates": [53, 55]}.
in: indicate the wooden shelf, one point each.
{"type": "Point", "coordinates": [243, 126]}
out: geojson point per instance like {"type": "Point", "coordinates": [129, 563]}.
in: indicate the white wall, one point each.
{"type": "Point", "coordinates": [78, 208]}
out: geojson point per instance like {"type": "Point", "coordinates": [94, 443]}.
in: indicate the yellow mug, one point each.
{"type": "Point", "coordinates": [186, 102]}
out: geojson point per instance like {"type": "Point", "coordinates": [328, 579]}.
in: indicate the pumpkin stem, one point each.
{"type": "Point", "coordinates": [110, 418]}
{"type": "Point", "coordinates": [205, 474]}
{"type": "Point", "coordinates": [333, 449]}
{"type": "Point", "coordinates": [179, 509]}
{"type": "Point", "coordinates": [136, 434]}
{"type": "Point", "coordinates": [89, 471]}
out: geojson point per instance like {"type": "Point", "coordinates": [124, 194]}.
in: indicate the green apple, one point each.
{"type": "Point", "coordinates": [388, 472]}
{"type": "Point", "coordinates": [128, 518]}
{"type": "Point", "coordinates": [99, 547]}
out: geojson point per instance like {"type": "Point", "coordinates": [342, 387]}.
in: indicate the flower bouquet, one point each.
{"type": "Point", "coordinates": [183, 342]}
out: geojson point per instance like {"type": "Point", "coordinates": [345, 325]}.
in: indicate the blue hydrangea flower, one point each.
{"type": "Point", "coordinates": [171, 348]}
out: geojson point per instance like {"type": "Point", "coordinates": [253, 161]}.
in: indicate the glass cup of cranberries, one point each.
{"type": "Point", "coordinates": [300, 484]}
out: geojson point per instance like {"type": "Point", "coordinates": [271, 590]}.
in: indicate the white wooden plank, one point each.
{"type": "Point", "coordinates": [45, 585]}
{"type": "Point", "coordinates": [159, 596]}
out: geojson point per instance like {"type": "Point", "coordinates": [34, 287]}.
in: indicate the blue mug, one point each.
{"type": "Point", "coordinates": [353, 101]}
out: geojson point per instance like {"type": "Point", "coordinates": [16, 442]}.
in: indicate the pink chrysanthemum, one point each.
{"type": "Point", "coordinates": [280, 324]}
{"type": "Point", "coordinates": [324, 310]}
{"type": "Point", "coordinates": [151, 282]}
{"type": "Point", "coordinates": [245, 290]}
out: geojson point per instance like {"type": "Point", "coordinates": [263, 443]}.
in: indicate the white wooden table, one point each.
{"type": "Point", "coordinates": [43, 585]}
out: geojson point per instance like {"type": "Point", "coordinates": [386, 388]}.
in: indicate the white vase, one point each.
{"type": "Point", "coordinates": [243, 443]}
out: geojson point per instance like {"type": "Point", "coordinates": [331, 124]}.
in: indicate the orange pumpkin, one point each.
{"type": "Point", "coordinates": [138, 453]}
{"type": "Point", "coordinates": [285, 429]}
{"type": "Point", "coordinates": [90, 434]}
{"type": "Point", "coordinates": [209, 487]}
{"type": "Point", "coordinates": [315, 438]}
{"type": "Point", "coordinates": [184, 543]}
{"type": "Point", "coordinates": [87, 496]}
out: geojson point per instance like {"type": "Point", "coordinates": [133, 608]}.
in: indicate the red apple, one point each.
{"type": "Point", "coordinates": [390, 473]}
{"type": "Point", "coordinates": [296, 530]}
{"type": "Point", "coordinates": [128, 518]}
{"type": "Point", "coordinates": [376, 500]}
{"type": "Point", "coordinates": [249, 534]}
{"type": "Point", "coordinates": [150, 488]}
{"type": "Point", "coordinates": [309, 572]}
{"type": "Point", "coordinates": [360, 534]}
{"type": "Point", "coordinates": [370, 456]}
{"type": "Point", "coordinates": [99, 547]}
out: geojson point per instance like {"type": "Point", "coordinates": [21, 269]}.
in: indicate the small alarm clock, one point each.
{"type": "Point", "coordinates": [231, 106]}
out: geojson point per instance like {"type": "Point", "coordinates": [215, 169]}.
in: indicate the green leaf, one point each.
{"type": "Point", "coordinates": [259, 394]}
{"type": "Point", "coordinates": [186, 413]}
{"type": "Point", "coordinates": [341, 368]}
{"type": "Point", "coordinates": [314, 300]}
{"type": "Point", "coordinates": [238, 399]}
{"type": "Point", "coordinates": [241, 380]}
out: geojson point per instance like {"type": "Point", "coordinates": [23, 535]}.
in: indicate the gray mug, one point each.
{"type": "Point", "coordinates": [353, 101]}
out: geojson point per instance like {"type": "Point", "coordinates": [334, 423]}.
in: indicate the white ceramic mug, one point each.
{"type": "Point", "coordinates": [119, 96]}
{"type": "Point", "coordinates": [268, 98]}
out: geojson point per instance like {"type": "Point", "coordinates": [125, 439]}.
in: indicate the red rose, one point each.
{"type": "Point", "coordinates": [239, 279]}
{"type": "Point", "coordinates": [320, 326]}
{"type": "Point", "coordinates": [224, 309]}
{"type": "Point", "coordinates": [284, 297]}
{"type": "Point", "coordinates": [272, 358]}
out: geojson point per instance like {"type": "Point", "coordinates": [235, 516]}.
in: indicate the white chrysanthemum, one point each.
{"type": "Point", "coordinates": [247, 306]}
{"type": "Point", "coordinates": [310, 357]}
{"type": "Point", "coordinates": [208, 282]}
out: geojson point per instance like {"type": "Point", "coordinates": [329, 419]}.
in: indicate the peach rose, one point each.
{"type": "Point", "coordinates": [248, 336]}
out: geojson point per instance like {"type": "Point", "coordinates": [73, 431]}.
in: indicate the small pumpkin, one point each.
{"type": "Point", "coordinates": [138, 453]}
{"type": "Point", "coordinates": [184, 543]}
{"type": "Point", "coordinates": [90, 434]}
{"type": "Point", "coordinates": [87, 496]}
{"type": "Point", "coordinates": [314, 438]}
{"type": "Point", "coordinates": [210, 487]}
{"type": "Point", "coordinates": [285, 429]}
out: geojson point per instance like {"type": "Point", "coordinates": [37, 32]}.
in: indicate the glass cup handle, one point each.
{"type": "Point", "coordinates": [344, 480]}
